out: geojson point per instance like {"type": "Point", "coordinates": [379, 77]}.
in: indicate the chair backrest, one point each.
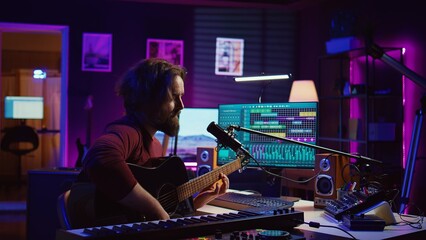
{"type": "Point", "coordinates": [19, 134]}
{"type": "Point", "coordinates": [62, 210]}
{"type": "Point", "coordinates": [75, 207]}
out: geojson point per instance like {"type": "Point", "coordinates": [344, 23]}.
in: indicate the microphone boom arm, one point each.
{"type": "Point", "coordinates": [359, 157]}
{"type": "Point", "coordinates": [377, 52]}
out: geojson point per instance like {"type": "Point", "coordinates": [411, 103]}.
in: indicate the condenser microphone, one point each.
{"type": "Point", "coordinates": [226, 139]}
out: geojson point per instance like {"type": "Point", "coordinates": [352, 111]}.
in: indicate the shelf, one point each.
{"type": "Point", "coordinates": [357, 52]}
{"type": "Point", "coordinates": [379, 100]}
{"type": "Point", "coordinates": [43, 130]}
{"type": "Point", "coordinates": [331, 139]}
{"type": "Point", "coordinates": [360, 96]}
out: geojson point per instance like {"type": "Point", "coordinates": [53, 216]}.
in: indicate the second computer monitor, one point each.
{"type": "Point", "coordinates": [295, 120]}
{"type": "Point", "coordinates": [193, 130]}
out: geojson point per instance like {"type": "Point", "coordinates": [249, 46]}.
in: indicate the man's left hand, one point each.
{"type": "Point", "coordinates": [216, 189]}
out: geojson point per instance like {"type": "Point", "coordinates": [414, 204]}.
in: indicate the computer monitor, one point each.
{"type": "Point", "coordinates": [192, 132]}
{"type": "Point", "coordinates": [23, 107]}
{"type": "Point", "coordinates": [293, 120]}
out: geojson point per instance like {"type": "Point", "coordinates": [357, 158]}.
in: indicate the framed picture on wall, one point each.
{"type": "Point", "coordinates": [229, 56]}
{"type": "Point", "coordinates": [170, 50]}
{"type": "Point", "coordinates": [97, 52]}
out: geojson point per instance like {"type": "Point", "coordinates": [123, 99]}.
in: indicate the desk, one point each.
{"type": "Point", "coordinates": [318, 215]}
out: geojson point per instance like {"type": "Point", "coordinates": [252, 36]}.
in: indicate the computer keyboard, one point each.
{"type": "Point", "coordinates": [254, 203]}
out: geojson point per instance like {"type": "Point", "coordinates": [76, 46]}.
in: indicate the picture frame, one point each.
{"type": "Point", "coordinates": [229, 56]}
{"type": "Point", "coordinates": [97, 52]}
{"type": "Point", "coordinates": [167, 49]}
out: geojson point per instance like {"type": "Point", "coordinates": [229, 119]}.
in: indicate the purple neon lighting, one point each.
{"type": "Point", "coordinates": [355, 77]}
{"type": "Point", "coordinates": [404, 156]}
{"type": "Point", "coordinates": [410, 96]}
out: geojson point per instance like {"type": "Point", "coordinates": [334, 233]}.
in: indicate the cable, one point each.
{"type": "Point", "coordinates": [262, 90]}
{"type": "Point", "coordinates": [286, 178]}
{"type": "Point", "coordinates": [417, 224]}
{"type": "Point", "coordinates": [351, 166]}
{"type": "Point", "coordinates": [392, 199]}
{"type": "Point", "coordinates": [341, 229]}
{"type": "Point", "coordinates": [318, 225]}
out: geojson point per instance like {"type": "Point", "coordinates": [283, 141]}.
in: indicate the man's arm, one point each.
{"type": "Point", "coordinates": [140, 200]}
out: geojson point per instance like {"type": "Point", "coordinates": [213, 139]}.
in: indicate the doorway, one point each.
{"type": "Point", "coordinates": [23, 48]}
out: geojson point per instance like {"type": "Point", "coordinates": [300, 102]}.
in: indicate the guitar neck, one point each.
{"type": "Point", "coordinates": [187, 189]}
{"type": "Point", "coordinates": [89, 128]}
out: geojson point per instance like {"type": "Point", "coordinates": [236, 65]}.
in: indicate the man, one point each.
{"type": "Point", "coordinates": [152, 91]}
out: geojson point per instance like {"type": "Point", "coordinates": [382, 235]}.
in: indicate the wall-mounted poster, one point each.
{"type": "Point", "coordinates": [229, 56]}
{"type": "Point", "coordinates": [97, 52]}
{"type": "Point", "coordinates": [170, 50]}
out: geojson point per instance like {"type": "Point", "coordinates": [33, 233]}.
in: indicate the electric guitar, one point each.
{"type": "Point", "coordinates": [169, 184]}
{"type": "Point", "coordinates": [83, 148]}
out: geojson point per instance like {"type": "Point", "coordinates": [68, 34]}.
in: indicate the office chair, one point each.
{"type": "Point", "coordinates": [62, 210]}
{"type": "Point", "coordinates": [75, 207]}
{"type": "Point", "coordinates": [19, 134]}
{"type": "Point", "coordinates": [19, 140]}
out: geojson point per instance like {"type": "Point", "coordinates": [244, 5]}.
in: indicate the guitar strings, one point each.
{"type": "Point", "coordinates": [171, 198]}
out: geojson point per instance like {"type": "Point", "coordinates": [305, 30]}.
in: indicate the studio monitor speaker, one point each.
{"type": "Point", "coordinates": [330, 177]}
{"type": "Point", "coordinates": [206, 159]}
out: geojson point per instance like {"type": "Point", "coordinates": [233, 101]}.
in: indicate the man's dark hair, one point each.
{"type": "Point", "coordinates": [145, 85]}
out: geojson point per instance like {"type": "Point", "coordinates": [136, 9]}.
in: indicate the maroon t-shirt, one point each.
{"type": "Point", "coordinates": [122, 142]}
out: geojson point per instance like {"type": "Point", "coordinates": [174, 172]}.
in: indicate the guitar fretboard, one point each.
{"type": "Point", "coordinates": [187, 189]}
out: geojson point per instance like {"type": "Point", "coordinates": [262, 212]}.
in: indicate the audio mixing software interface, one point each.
{"type": "Point", "coordinates": [295, 120]}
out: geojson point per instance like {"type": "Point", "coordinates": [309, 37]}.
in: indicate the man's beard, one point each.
{"type": "Point", "coordinates": [170, 126]}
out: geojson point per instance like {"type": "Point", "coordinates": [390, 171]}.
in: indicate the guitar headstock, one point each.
{"type": "Point", "coordinates": [88, 105]}
{"type": "Point", "coordinates": [244, 160]}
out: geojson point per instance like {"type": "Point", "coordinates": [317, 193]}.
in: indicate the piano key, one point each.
{"type": "Point", "coordinates": [187, 227]}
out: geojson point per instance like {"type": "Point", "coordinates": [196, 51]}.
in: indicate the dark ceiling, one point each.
{"type": "Point", "coordinates": [282, 4]}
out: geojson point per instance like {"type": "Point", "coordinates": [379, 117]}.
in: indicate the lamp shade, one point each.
{"type": "Point", "coordinates": [303, 91]}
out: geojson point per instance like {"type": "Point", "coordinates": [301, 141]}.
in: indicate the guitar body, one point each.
{"type": "Point", "coordinates": [162, 181]}
{"type": "Point", "coordinates": [168, 183]}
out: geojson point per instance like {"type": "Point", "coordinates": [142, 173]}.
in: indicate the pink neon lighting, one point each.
{"type": "Point", "coordinates": [190, 164]}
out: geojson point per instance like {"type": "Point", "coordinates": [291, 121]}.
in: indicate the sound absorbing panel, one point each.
{"type": "Point", "coordinates": [269, 39]}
